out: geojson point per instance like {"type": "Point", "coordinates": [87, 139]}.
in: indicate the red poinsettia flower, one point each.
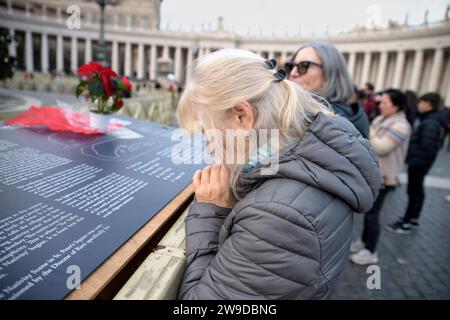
{"type": "Point", "coordinates": [89, 68]}
{"type": "Point", "coordinates": [101, 83]}
{"type": "Point", "coordinates": [118, 104]}
{"type": "Point", "coordinates": [93, 67]}
{"type": "Point", "coordinates": [107, 85]}
{"type": "Point", "coordinates": [108, 72]}
{"type": "Point", "coordinates": [127, 83]}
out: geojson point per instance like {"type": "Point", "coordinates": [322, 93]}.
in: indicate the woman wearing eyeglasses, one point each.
{"type": "Point", "coordinates": [320, 68]}
{"type": "Point", "coordinates": [258, 231]}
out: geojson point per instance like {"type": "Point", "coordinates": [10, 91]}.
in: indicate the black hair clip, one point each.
{"type": "Point", "coordinates": [271, 64]}
{"type": "Point", "coordinates": [280, 75]}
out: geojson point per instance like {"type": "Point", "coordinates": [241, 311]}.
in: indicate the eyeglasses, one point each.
{"type": "Point", "coordinates": [302, 66]}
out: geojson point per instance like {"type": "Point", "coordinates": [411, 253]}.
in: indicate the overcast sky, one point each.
{"type": "Point", "coordinates": [290, 17]}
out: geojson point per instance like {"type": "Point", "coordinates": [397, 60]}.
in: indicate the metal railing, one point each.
{"type": "Point", "coordinates": [158, 107]}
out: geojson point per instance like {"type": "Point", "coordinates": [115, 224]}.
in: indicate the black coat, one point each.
{"type": "Point", "coordinates": [426, 140]}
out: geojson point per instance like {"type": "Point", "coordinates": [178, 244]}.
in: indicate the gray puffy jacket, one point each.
{"type": "Point", "coordinates": [289, 237]}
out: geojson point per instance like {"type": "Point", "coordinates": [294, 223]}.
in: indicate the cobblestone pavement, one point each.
{"type": "Point", "coordinates": [414, 266]}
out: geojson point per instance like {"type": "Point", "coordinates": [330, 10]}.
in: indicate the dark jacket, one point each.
{"type": "Point", "coordinates": [426, 140]}
{"type": "Point", "coordinates": [289, 237]}
{"type": "Point", "coordinates": [355, 114]}
{"type": "Point", "coordinates": [370, 107]}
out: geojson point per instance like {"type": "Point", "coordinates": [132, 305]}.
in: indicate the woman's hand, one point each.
{"type": "Point", "coordinates": [211, 185]}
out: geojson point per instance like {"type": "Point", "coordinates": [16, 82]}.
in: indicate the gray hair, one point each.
{"type": "Point", "coordinates": [338, 86]}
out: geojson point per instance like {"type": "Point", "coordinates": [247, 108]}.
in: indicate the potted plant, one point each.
{"type": "Point", "coordinates": [105, 91]}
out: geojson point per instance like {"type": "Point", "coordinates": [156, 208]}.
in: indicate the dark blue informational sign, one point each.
{"type": "Point", "coordinates": [68, 201]}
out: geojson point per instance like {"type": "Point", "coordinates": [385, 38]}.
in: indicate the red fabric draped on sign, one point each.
{"type": "Point", "coordinates": [57, 119]}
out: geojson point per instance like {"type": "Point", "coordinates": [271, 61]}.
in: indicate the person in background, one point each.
{"type": "Point", "coordinates": [369, 102]}
{"type": "Point", "coordinates": [389, 137]}
{"type": "Point", "coordinates": [377, 97]}
{"type": "Point", "coordinates": [260, 232]}
{"type": "Point", "coordinates": [411, 106]}
{"type": "Point", "coordinates": [356, 99]}
{"type": "Point", "coordinates": [320, 68]}
{"type": "Point", "coordinates": [425, 143]}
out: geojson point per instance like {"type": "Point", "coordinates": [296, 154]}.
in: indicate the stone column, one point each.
{"type": "Point", "coordinates": [12, 49]}
{"type": "Point", "coordinates": [190, 57]}
{"type": "Point", "coordinates": [9, 6]}
{"type": "Point", "coordinates": [366, 67]}
{"type": "Point", "coordinates": [381, 71]}
{"type": "Point", "coordinates": [115, 56]}
{"type": "Point", "coordinates": [88, 51]}
{"type": "Point", "coordinates": [351, 64]}
{"type": "Point", "coordinates": [153, 58]}
{"type": "Point", "coordinates": [74, 54]}
{"type": "Point", "coordinates": [417, 67]}
{"type": "Point", "coordinates": [116, 21]}
{"type": "Point", "coordinates": [27, 8]}
{"type": "Point", "coordinates": [44, 52]}
{"type": "Point", "coordinates": [58, 14]}
{"type": "Point", "coordinates": [447, 92]}
{"type": "Point", "coordinates": [59, 53]}
{"type": "Point", "coordinates": [436, 69]}
{"type": "Point", "coordinates": [399, 65]}
{"type": "Point", "coordinates": [166, 52]}
{"type": "Point", "coordinates": [128, 22]}
{"type": "Point", "coordinates": [128, 59]}
{"type": "Point", "coordinates": [140, 58]}
{"type": "Point", "coordinates": [178, 63]}
{"type": "Point", "coordinates": [44, 11]}
{"type": "Point", "coordinates": [29, 51]}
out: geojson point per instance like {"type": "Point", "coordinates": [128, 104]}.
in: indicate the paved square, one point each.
{"type": "Point", "coordinates": [414, 266]}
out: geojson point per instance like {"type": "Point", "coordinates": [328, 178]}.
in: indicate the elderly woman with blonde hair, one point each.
{"type": "Point", "coordinates": [259, 231]}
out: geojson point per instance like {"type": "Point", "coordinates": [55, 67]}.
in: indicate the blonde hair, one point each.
{"type": "Point", "coordinates": [218, 81]}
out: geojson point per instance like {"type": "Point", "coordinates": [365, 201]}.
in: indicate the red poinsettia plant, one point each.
{"type": "Point", "coordinates": [104, 88]}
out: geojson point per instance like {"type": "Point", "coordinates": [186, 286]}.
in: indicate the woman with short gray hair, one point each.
{"type": "Point", "coordinates": [320, 68]}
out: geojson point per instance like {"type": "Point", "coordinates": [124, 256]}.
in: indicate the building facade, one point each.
{"type": "Point", "coordinates": [407, 57]}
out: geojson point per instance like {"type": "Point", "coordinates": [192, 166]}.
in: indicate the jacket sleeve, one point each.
{"type": "Point", "coordinates": [391, 138]}
{"type": "Point", "coordinates": [202, 225]}
{"type": "Point", "coordinates": [270, 252]}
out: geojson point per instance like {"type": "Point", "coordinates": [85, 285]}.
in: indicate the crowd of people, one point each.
{"type": "Point", "coordinates": [405, 130]}
{"type": "Point", "coordinates": [287, 235]}
{"type": "Point", "coordinates": [402, 127]}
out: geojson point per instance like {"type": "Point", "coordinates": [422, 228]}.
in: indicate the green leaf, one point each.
{"type": "Point", "coordinates": [80, 88]}
{"type": "Point", "coordinates": [96, 88]}
{"type": "Point", "coordinates": [121, 85]}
